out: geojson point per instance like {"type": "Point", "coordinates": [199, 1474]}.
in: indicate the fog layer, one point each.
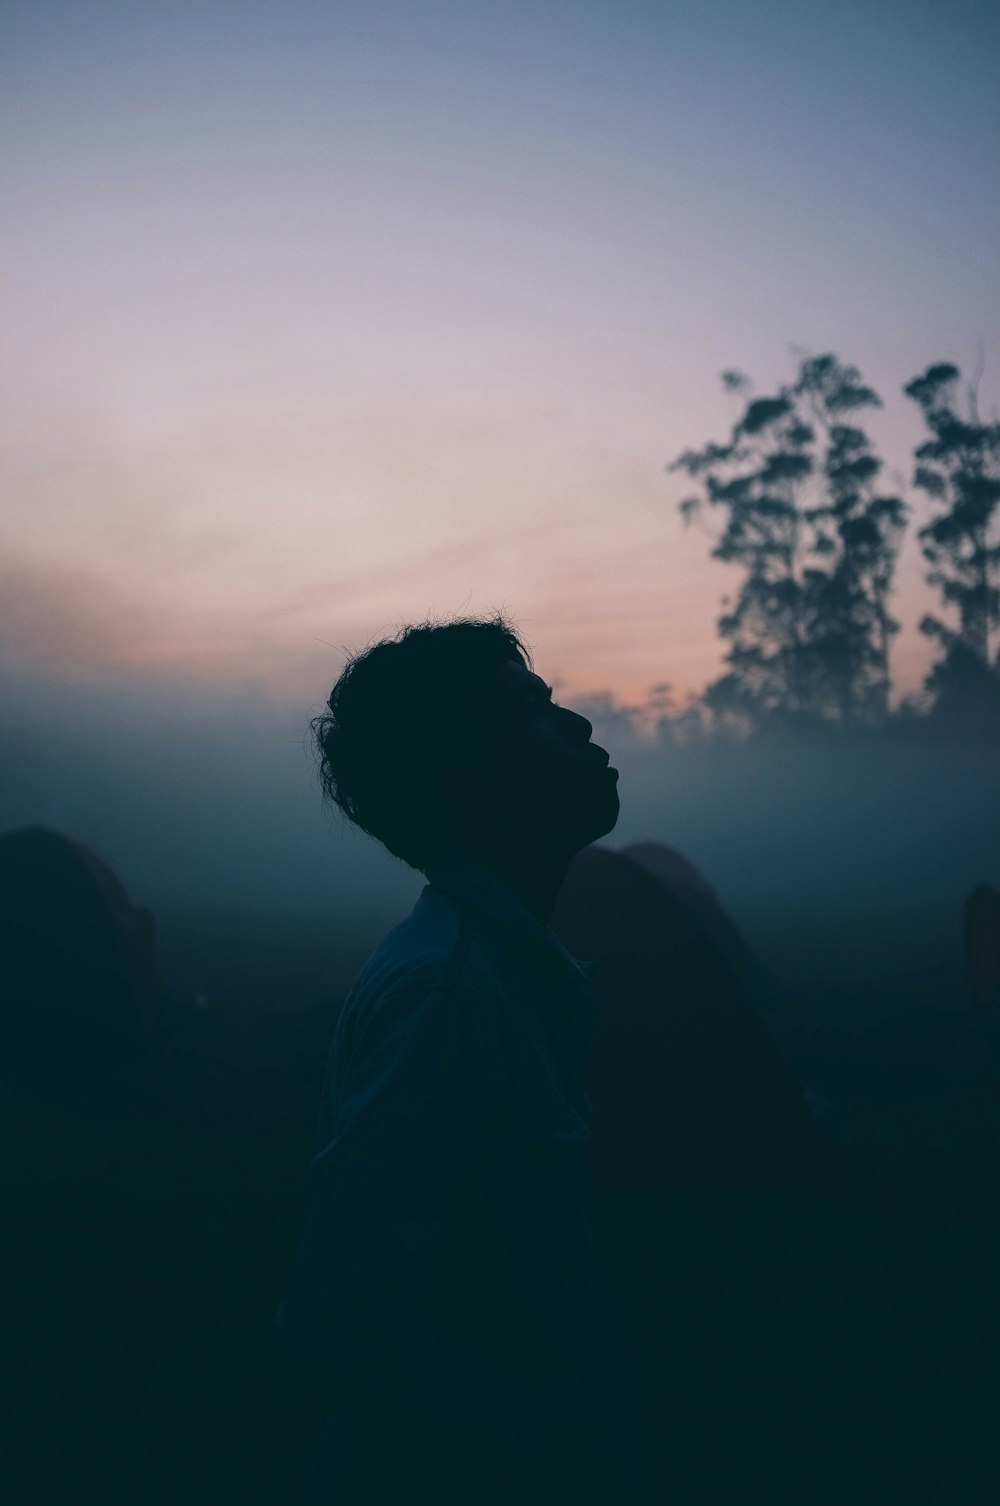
{"type": "Point", "coordinates": [845, 865]}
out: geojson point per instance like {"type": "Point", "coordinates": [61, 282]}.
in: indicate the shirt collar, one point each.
{"type": "Point", "coordinates": [569, 1006]}
{"type": "Point", "coordinates": [473, 885]}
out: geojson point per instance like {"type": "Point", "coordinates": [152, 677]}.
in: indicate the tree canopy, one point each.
{"type": "Point", "coordinates": [958, 467]}
{"type": "Point", "coordinates": [817, 541]}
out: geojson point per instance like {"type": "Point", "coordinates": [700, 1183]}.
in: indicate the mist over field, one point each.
{"type": "Point", "coordinates": [845, 863]}
{"type": "Point", "coordinates": [670, 332]}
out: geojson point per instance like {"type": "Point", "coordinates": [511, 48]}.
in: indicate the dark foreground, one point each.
{"type": "Point", "coordinates": [790, 1347]}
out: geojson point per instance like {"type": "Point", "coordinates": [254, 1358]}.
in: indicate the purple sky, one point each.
{"type": "Point", "coordinates": [320, 317]}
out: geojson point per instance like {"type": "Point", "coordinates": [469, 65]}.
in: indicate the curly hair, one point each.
{"type": "Point", "coordinates": [400, 708]}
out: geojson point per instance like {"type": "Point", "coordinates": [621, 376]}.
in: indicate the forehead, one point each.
{"type": "Point", "coordinates": [514, 682]}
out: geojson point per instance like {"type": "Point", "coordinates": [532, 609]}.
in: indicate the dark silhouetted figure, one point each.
{"type": "Point", "coordinates": [78, 1113]}
{"type": "Point", "coordinates": [79, 971]}
{"type": "Point", "coordinates": [688, 1085]}
{"type": "Point", "coordinates": [446, 1288]}
{"type": "Point", "coordinates": [981, 935]}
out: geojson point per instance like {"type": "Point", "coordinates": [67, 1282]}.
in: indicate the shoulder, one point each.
{"type": "Point", "coordinates": [436, 964]}
{"type": "Point", "coordinates": [416, 1036]}
{"type": "Point", "coordinates": [437, 948]}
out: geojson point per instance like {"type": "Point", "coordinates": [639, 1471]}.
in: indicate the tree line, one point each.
{"type": "Point", "coordinates": [816, 536]}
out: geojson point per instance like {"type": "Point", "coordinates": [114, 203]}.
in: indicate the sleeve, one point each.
{"type": "Point", "coordinates": [412, 1121]}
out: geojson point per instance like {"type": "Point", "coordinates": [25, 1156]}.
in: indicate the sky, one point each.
{"type": "Point", "coordinates": [323, 317]}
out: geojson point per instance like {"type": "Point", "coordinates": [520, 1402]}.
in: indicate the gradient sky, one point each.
{"type": "Point", "coordinates": [320, 317]}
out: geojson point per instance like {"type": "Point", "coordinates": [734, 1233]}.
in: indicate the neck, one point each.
{"type": "Point", "coordinates": [535, 877]}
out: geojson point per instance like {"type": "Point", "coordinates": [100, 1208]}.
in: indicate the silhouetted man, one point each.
{"type": "Point", "coordinates": [446, 1286]}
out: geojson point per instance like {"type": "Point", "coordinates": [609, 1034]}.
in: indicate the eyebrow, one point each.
{"type": "Point", "coordinates": [537, 692]}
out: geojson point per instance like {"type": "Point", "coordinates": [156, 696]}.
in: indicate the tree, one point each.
{"type": "Point", "coordinates": [853, 627]}
{"type": "Point", "coordinates": [959, 468]}
{"type": "Point", "coordinates": [810, 630]}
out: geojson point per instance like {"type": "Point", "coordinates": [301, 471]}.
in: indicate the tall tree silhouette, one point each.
{"type": "Point", "coordinates": [810, 629]}
{"type": "Point", "coordinates": [959, 468]}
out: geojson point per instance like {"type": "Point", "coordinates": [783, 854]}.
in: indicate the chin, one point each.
{"type": "Point", "coordinates": [605, 819]}
{"type": "Point", "coordinates": [612, 819]}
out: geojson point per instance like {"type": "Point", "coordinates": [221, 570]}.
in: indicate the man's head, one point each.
{"type": "Point", "coordinates": [442, 743]}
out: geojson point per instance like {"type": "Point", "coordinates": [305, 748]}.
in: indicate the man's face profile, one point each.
{"type": "Point", "coordinates": [546, 784]}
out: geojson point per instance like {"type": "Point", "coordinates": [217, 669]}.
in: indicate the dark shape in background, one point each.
{"type": "Point", "coordinates": [148, 1232]}
{"type": "Point", "coordinates": [688, 1085]}
{"type": "Point", "coordinates": [151, 1162]}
